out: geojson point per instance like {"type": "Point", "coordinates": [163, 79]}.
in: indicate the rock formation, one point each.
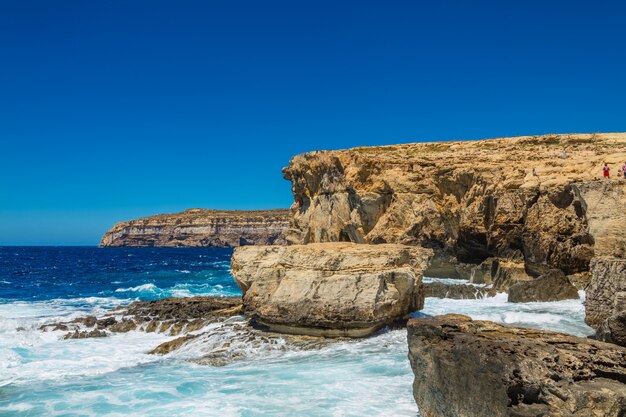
{"type": "Point", "coordinates": [466, 368]}
{"type": "Point", "coordinates": [199, 227]}
{"type": "Point", "coordinates": [551, 286]}
{"type": "Point", "coordinates": [606, 294]}
{"type": "Point", "coordinates": [503, 210]}
{"type": "Point", "coordinates": [211, 328]}
{"type": "Point", "coordinates": [333, 289]}
{"type": "Point", "coordinates": [456, 291]}
{"type": "Point", "coordinates": [613, 329]}
{"type": "Point", "coordinates": [172, 316]}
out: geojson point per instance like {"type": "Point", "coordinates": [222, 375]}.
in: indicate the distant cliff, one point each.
{"type": "Point", "coordinates": [505, 209]}
{"type": "Point", "coordinates": [200, 227]}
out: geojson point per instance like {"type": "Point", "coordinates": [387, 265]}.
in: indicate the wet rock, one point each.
{"type": "Point", "coordinates": [85, 334]}
{"type": "Point", "coordinates": [552, 286]}
{"type": "Point", "coordinates": [467, 368]}
{"type": "Point", "coordinates": [169, 315]}
{"type": "Point", "coordinates": [456, 291]}
{"type": "Point", "coordinates": [334, 289]}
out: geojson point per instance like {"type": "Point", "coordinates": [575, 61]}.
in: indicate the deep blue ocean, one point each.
{"type": "Point", "coordinates": [41, 374]}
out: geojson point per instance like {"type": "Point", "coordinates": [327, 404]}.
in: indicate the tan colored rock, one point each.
{"type": "Point", "coordinates": [470, 368]}
{"type": "Point", "coordinates": [199, 227]}
{"type": "Point", "coordinates": [333, 289]}
{"type": "Point", "coordinates": [551, 286]}
{"type": "Point", "coordinates": [514, 199]}
{"type": "Point", "coordinates": [606, 294]}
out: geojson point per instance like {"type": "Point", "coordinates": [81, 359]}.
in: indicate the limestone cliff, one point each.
{"type": "Point", "coordinates": [199, 227]}
{"type": "Point", "coordinates": [519, 206]}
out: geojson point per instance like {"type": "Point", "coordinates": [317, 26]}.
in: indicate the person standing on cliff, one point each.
{"type": "Point", "coordinates": [606, 170]}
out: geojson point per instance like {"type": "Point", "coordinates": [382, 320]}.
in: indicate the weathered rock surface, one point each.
{"type": "Point", "coordinates": [551, 286]}
{"type": "Point", "coordinates": [199, 227]}
{"type": "Point", "coordinates": [456, 291]}
{"type": "Point", "coordinates": [466, 368]}
{"type": "Point", "coordinates": [516, 200]}
{"type": "Point", "coordinates": [606, 294]}
{"type": "Point", "coordinates": [172, 316]}
{"type": "Point", "coordinates": [613, 330]}
{"type": "Point", "coordinates": [333, 289]}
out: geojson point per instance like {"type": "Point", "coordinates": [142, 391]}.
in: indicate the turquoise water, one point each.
{"type": "Point", "coordinates": [41, 374]}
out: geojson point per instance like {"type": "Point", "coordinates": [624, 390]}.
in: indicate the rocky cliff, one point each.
{"type": "Point", "coordinates": [509, 209]}
{"type": "Point", "coordinates": [199, 227]}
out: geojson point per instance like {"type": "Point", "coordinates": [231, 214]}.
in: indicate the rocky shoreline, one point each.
{"type": "Point", "coordinates": [529, 216]}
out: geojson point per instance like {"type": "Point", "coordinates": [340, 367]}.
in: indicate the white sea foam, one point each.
{"type": "Point", "coordinates": [45, 375]}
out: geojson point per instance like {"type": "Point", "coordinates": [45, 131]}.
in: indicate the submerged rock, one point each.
{"type": "Point", "coordinates": [456, 291]}
{"type": "Point", "coordinates": [468, 368]}
{"type": "Point", "coordinates": [171, 316]}
{"type": "Point", "coordinates": [333, 289]}
{"type": "Point", "coordinates": [552, 286]}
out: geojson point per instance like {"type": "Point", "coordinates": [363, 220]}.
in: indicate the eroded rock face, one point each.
{"type": "Point", "coordinates": [551, 286]}
{"type": "Point", "coordinates": [515, 200]}
{"type": "Point", "coordinates": [199, 227]}
{"type": "Point", "coordinates": [606, 294]}
{"type": "Point", "coordinates": [613, 330]}
{"type": "Point", "coordinates": [332, 289]}
{"type": "Point", "coordinates": [466, 368]}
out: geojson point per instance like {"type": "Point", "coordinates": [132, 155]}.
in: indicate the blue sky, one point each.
{"type": "Point", "coordinates": [114, 110]}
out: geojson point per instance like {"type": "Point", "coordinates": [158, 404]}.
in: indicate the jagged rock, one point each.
{"type": "Point", "coordinates": [552, 286]}
{"type": "Point", "coordinates": [512, 199]}
{"type": "Point", "coordinates": [613, 330]}
{"type": "Point", "coordinates": [85, 334]}
{"type": "Point", "coordinates": [171, 316]}
{"type": "Point", "coordinates": [606, 294]}
{"type": "Point", "coordinates": [455, 291]}
{"type": "Point", "coordinates": [466, 368]}
{"type": "Point", "coordinates": [199, 227]}
{"type": "Point", "coordinates": [334, 289]}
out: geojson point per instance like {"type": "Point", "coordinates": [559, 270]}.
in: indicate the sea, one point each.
{"type": "Point", "coordinates": [41, 374]}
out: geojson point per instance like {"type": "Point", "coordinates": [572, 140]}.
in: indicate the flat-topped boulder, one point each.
{"type": "Point", "coordinates": [470, 368]}
{"type": "Point", "coordinates": [330, 289]}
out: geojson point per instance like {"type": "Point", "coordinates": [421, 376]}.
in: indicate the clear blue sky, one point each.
{"type": "Point", "coordinates": [114, 110]}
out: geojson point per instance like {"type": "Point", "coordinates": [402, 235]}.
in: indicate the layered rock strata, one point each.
{"type": "Point", "coordinates": [466, 368]}
{"type": "Point", "coordinates": [530, 203]}
{"type": "Point", "coordinates": [199, 227]}
{"type": "Point", "coordinates": [331, 289]}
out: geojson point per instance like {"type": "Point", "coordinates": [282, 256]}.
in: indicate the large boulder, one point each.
{"type": "Point", "coordinates": [606, 294]}
{"type": "Point", "coordinates": [552, 286]}
{"type": "Point", "coordinates": [330, 289]}
{"type": "Point", "coordinates": [467, 368]}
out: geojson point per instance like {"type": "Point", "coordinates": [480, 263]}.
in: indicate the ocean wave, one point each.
{"type": "Point", "coordinates": [140, 288]}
